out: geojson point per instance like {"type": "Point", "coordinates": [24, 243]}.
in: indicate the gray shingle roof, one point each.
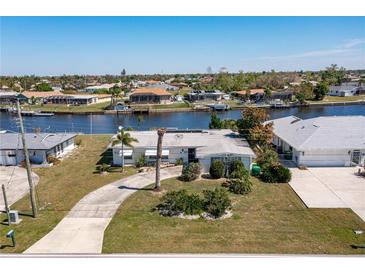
{"type": "Point", "coordinates": [334, 132]}
{"type": "Point", "coordinates": [41, 141]}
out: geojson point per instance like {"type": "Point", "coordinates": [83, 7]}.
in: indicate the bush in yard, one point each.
{"type": "Point", "coordinates": [240, 185]}
{"type": "Point", "coordinates": [103, 168]}
{"type": "Point", "coordinates": [140, 161]}
{"type": "Point", "coordinates": [216, 202]}
{"type": "Point", "coordinates": [275, 173]}
{"type": "Point", "coordinates": [177, 202]}
{"type": "Point", "coordinates": [78, 142]}
{"type": "Point", "coordinates": [179, 162]}
{"type": "Point", "coordinates": [53, 159]}
{"type": "Point", "coordinates": [237, 170]}
{"type": "Point", "coordinates": [216, 169]}
{"type": "Point", "coordinates": [190, 172]}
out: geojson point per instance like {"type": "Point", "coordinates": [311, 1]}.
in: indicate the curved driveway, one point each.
{"type": "Point", "coordinates": [82, 230]}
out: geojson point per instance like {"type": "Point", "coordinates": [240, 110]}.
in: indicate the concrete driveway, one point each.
{"type": "Point", "coordinates": [82, 230]}
{"type": "Point", "coordinates": [330, 187]}
{"type": "Point", "coordinates": [16, 182]}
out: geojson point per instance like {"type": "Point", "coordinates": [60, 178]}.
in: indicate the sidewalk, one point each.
{"type": "Point", "coordinates": [82, 230]}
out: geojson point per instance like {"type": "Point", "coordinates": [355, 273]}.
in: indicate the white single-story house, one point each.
{"type": "Point", "coordinates": [40, 146]}
{"type": "Point", "coordinates": [322, 141]}
{"type": "Point", "coordinates": [93, 89]}
{"type": "Point", "coordinates": [201, 146]}
{"type": "Point", "coordinates": [346, 89]}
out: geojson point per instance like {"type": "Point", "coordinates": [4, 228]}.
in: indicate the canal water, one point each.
{"type": "Point", "coordinates": [99, 123]}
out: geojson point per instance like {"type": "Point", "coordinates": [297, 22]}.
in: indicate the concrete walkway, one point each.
{"type": "Point", "coordinates": [82, 230]}
{"type": "Point", "coordinates": [16, 183]}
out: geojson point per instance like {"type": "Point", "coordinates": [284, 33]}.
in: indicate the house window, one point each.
{"type": "Point", "coordinates": [128, 157]}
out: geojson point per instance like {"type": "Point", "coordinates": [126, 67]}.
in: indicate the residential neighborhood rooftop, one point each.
{"type": "Point", "coordinates": [156, 91]}
{"type": "Point", "coordinates": [322, 132]}
{"type": "Point", "coordinates": [33, 140]}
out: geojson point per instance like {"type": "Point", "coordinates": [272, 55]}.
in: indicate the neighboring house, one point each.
{"type": "Point", "coordinates": [40, 95]}
{"type": "Point", "coordinates": [150, 96]}
{"type": "Point", "coordinates": [40, 146]}
{"type": "Point", "coordinates": [77, 99]}
{"type": "Point", "coordinates": [322, 141]}
{"type": "Point", "coordinates": [11, 97]}
{"type": "Point", "coordinates": [162, 86]}
{"type": "Point", "coordinates": [347, 89]}
{"type": "Point", "coordinates": [205, 95]}
{"type": "Point", "coordinates": [258, 94]}
{"type": "Point", "coordinates": [201, 146]}
{"type": "Point", "coordinates": [93, 89]}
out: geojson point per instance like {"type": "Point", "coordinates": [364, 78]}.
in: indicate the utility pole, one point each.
{"type": "Point", "coordinates": [27, 164]}
{"type": "Point", "coordinates": [7, 209]}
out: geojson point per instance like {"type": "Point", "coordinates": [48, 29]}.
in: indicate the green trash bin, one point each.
{"type": "Point", "coordinates": [255, 170]}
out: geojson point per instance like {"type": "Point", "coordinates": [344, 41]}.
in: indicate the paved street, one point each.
{"type": "Point", "coordinates": [15, 180]}
{"type": "Point", "coordinates": [330, 188]}
{"type": "Point", "coordinates": [82, 230]}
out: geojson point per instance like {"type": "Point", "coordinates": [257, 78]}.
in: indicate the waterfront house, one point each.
{"type": "Point", "coordinates": [150, 96]}
{"type": "Point", "coordinates": [77, 99]}
{"type": "Point", "coordinates": [347, 89]}
{"type": "Point", "coordinates": [205, 95]}
{"type": "Point", "coordinates": [40, 96]}
{"type": "Point", "coordinates": [201, 146]}
{"type": "Point", "coordinates": [252, 94]}
{"type": "Point", "coordinates": [321, 141]}
{"type": "Point", "coordinates": [40, 147]}
{"type": "Point", "coordinates": [10, 97]}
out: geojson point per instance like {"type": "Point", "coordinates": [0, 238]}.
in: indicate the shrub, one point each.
{"type": "Point", "coordinates": [103, 168]}
{"type": "Point", "coordinates": [53, 159]}
{"type": "Point", "coordinates": [267, 156]}
{"type": "Point", "coordinates": [275, 174]}
{"type": "Point", "coordinates": [179, 162]}
{"type": "Point", "coordinates": [216, 169]}
{"type": "Point", "coordinates": [78, 142]}
{"type": "Point", "coordinates": [216, 202]}
{"type": "Point", "coordinates": [190, 172]}
{"type": "Point", "coordinates": [177, 202]}
{"type": "Point", "coordinates": [240, 185]}
{"type": "Point", "coordinates": [140, 162]}
{"type": "Point", "coordinates": [237, 170]}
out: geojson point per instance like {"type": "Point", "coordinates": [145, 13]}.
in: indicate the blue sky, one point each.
{"type": "Point", "coordinates": [106, 45]}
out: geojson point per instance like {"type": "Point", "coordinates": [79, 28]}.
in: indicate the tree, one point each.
{"type": "Point", "coordinates": [125, 139]}
{"type": "Point", "coordinates": [267, 156]}
{"type": "Point", "coordinates": [115, 92]}
{"type": "Point", "coordinates": [261, 135]}
{"type": "Point", "coordinates": [160, 133]}
{"type": "Point", "coordinates": [320, 91]}
{"type": "Point", "coordinates": [215, 122]}
{"type": "Point", "coordinates": [251, 117]}
{"type": "Point", "coordinates": [268, 93]}
{"type": "Point", "coordinates": [43, 87]}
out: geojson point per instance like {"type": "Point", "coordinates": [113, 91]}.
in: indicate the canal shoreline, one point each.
{"type": "Point", "coordinates": [172, 110]}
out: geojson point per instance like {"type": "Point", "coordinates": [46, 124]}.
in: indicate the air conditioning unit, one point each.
{"type": "Point", "coordinates": [14, 217]}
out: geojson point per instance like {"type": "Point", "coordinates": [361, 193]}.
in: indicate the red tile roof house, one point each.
{"type": "Point", "coordinates": [150, 96]}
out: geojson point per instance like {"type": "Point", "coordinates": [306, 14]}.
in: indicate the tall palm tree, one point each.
{"type": "Point", "coordinates": [125, 139]}
{"type": "Point", "coordinates": [160, 133]}
{"type": "Point", "coordinates": [115, 92]}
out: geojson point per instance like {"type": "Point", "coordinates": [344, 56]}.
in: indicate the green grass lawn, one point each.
{"type": "Point", "coordinates": [60, 188]}
{"type": "Point", "coordinates": [339, 99]}
{"type": "Point", "coordinates": [170, 106]}
{"type": "Point", "coordinates": [271, 219]}
{"type": "Point", "coordinates": [99, 107]}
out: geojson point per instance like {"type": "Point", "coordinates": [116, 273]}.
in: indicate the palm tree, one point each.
{"type": "Point", "coordinates": [115, 92]}
{"type": "Point", "coordinates": [125, 139]}
{"type": "Point", "coordinates": [160, 133]}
